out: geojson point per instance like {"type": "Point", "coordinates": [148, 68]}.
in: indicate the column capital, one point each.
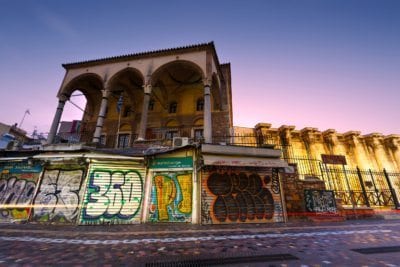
{"type": "Point", "coordinates": [392, 141]}
{"type": "Point", "coordinates": [207, 81]}
{"type": "Point", "coordinates": [207, 90]}
{"type": "Point", "coordinates": [105, 92]}
{"type": "Point", "coordinates": [373, 139]}
{"type": "Point", "coordinates": [308, 134]}
{"type": "Point", "coordinates": [147, 88]}
{"type": "Point", "coordinates": [330, 136]}
{"type": "Point", "coordinates": [63, 98]}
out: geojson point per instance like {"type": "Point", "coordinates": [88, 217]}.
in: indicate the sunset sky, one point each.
{"type": "Point", "coordinates": [324, 64]}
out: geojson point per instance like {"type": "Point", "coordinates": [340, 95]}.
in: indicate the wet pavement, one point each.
{"type": "Point", "coordinates": [280, 244]}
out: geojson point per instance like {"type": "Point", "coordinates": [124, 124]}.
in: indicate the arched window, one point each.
{"type": "Point", "coordinates": [172, 107]}
{"type": "Point", "coordinates": [200, 104]}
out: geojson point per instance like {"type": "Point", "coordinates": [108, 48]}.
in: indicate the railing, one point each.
{"type": "Point", "coordinates": [168, 133]}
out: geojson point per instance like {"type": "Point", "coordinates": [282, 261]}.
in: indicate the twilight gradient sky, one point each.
{"type": "Point", "coordinates": [325, 64]}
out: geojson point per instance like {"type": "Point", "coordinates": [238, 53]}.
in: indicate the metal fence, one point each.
{"type": "Point", "coordinates": [355, 187]}
{"type": "Point", "coordinates": [359, 188]}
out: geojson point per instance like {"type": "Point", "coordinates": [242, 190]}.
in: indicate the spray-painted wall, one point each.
{"type": "Point", "coordinates": [60, 193]}
{"type": "Point", "coordinates": [114, 194]}
{"type": "Point", "coordinates": [18, 183]}
{"type": "Point", "coordinates": [171, 197]}
{"type": "Point", "coordinates": [240, 195]}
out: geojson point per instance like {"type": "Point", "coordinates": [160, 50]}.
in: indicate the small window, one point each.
{"type": "Point", "coordinates": [198, 134]}
{"type": "Point", "coordinates": [172, 107]}
{"type": "Point", "coordinates": [171, 134]}
{"type": "Point", "coordinates": [200, 104]}
{"type": "Point", "coordinates": [151, 104]}
{"type": "Point", "coordinates": [123, 140]}
{"type": "Point", "coordinates": [127, 111]}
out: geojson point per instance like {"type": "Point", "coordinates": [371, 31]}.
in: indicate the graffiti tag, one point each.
{"type": "Point", "coordinates": [58, 196]}
{"type": "Point", "coordinates": [113, 194]}
{"type": "Point", "coordinates": [240, 196]}
{"type": "Point", "coordinates": [171, 197]}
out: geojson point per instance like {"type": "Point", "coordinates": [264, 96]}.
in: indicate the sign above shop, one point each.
{"type": "Point", "coordinates": [170, 163]}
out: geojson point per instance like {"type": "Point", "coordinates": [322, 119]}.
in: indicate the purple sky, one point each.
{"type": "Point", "coordinates": [324, 64]}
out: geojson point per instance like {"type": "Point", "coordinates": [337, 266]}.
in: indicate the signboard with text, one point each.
{"type": "Point", "coordinates": [168, 163]}
{"type": "Point", "coordinates": [334, 159]}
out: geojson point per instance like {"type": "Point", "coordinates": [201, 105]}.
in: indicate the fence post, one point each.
{"type": "Point", "coordinates": [363, 187]}
{"type": "Point", "coordinates": [392, 191]}
{"type": "Point", "coordinates": [376, 189]}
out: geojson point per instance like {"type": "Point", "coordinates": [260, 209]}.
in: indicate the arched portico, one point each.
{"type": "Point", "coordinates": [152, 88]}
{"type": "Point", "coordinates": [122, 100]}
{"type": "Point", "coordinates": [90, 84]}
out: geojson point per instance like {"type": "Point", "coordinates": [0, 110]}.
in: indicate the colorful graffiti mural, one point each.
{"type": "Point", "coordinates": [112, 196]}
{"type": "Point", "coordinates": [58, 197]}
{"type": "Point", "coordinates": [17, 188]}
{"type": "Point", "coordinates": [232, 195]}
{"type": "Point", "coordinates": [171, 197]}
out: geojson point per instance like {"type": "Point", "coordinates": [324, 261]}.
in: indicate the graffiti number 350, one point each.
{"type": "Point", "coordinates": [113, 194]}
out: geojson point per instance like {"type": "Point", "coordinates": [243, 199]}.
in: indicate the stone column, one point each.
{"type": "Point", "coordinates": [373, 141]}
{"type": "Point", "coordinates": [356, 147]}
{"type": "Point", "coordinates": [101, 116]}
{"type": "Point", "coordinates": [285, 135]}
{"type": "Point", "coordinates": [207, 113]}
{"type": "Point", "coordinates": [308, 135]}
{"type": "Point", "coordinates": [335, 146]}
{"type": "Point", "coordinates": [262, 134]}
{"type": "Point", "coordinates": [145, 111]}
{"type": "Point", "coordinates": [392, 144]}
{"type": "Point", "coordinates": [57, 117]}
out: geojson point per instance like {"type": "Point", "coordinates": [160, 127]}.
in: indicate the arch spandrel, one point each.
{"type": "Point", "coordinates": [136, 75]}
{"type": "Point", "coordinates": [84, 82]}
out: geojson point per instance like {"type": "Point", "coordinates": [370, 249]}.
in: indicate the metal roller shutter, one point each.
{"type": "Point", "coordinates": [240, 195]}
{"type": "Point", "coordinates": [114, 193]}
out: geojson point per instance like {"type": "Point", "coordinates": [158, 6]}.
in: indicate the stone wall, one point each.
{"type": "Point", "coordinates": [293, 189]}
{"type": "Point", "coordinates": [372, 151]}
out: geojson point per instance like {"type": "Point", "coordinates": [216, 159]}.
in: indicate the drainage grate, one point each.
{"type": "Point", "coordinates": [223, 261]}
{"type": "Point", "coordinates": [377, 250]}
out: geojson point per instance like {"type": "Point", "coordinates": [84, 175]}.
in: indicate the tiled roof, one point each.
{"type": "Point", "coordinates": [167, 51]}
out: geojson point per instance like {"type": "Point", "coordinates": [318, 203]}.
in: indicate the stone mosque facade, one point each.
{"type": "Point", "coordinates": [183, 92]}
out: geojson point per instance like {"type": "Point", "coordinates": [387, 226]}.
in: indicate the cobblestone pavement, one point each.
{"type": "Point", "coordinates": [284, 244]}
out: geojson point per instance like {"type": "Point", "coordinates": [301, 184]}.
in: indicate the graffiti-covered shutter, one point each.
{"type": "Point", "coordinates": [60, 194]}
{"type": "Point", "coordinates": [171, 197]}
{"type": "Point", "coordinates": [18, 184]}
{"type": "Point", "coordinates": [240, 195]}
{"type": "Point", "coordinates": [114, 193]}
